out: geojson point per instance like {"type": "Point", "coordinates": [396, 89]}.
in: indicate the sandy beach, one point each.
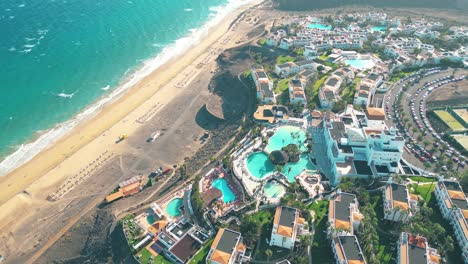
{"type": "Point", "coordinates": [92, 145]}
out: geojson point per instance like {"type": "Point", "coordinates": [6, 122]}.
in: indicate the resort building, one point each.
{"type": "Point", "coordinates": [127, 188]}
{"type": "Point", "coordinates": [264, 86]}
{"type": "Point", "coordinates": [287, 226]}
{"type": "Point", "coordinates": [360, 144]}
{"type": "Point", "coordinates": [271, 114]}
{"type": "Point", "coordinates": [413, 249]}
{"type": "Point", "coordinates": [290, 68]}
{"type": "Point", "coordinates": [178, 241]}
{"type": "Point", "coordinates": [297, 92]}
{"type": "Point", "coordinates": [363, 94]}
{"type": "Point", "coordinates": [398, 203]}
{"type": "Point", "coordinates": [454, 207]}
{"type": "Point", "coordinates": [347, 250]}
{"type": "Point", "coordinates": [343, 214]}
{"type": "Point", "coordinates": [227, 248]}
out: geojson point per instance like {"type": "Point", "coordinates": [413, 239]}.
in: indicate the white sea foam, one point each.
{"type": "Point", "coordinates": [65, 95]}
{"type": "Point", "coordinates": [22, 5]}
{"type": "Point", "coordinates": [27, 151]}
{"type": "Point", "coordinates": [188, 9]}
{"type": "Point", "coordinates": [29, 46]}
{"type": "Point", "coordinates": [12, 49]}
{"type": "Point", "coordinates": [105, 88]}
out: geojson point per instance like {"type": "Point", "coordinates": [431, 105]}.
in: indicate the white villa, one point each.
{"type": "Point", "coordinates": [287, 226]}
{"type": "Point", "coordinates": [264, 86]}
{"type": "Point", "coordinates": [414, 249]}
{"type": "Point", "coordinates": [398, 203]}
{"type": "Point", "coordinates": [297, 92]}
{"type": "Point", "coordinates": [454, 208]}
{"type": "Point", "coordinates": [343, 214]}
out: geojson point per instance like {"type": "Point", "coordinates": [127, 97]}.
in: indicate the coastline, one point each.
{"type": "Point", "coordinates": [42, 140]}
{"type": "Point", "coordinates": [33, 181]}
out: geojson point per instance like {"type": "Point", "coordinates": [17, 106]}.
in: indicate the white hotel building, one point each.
{"type": "Point", "coordinates": [454, 207]}
{"type": "Point", "coordinates": [360, 144]}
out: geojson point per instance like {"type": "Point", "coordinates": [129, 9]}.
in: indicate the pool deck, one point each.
{"type": "Point", "coordinates": [310, 187]}
{"type": "Point", "coordinates": [252, 184]}
{"type": "Point", "coordinates": [206, 183]}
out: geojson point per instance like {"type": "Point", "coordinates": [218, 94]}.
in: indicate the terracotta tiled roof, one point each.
{"type": "Point", "coordinates": [285, 231]}
{"type": "Point", "coordinates": [456, 194]}
{"type": "Point", "coordinates": [220, 257]}
{"type": "Point", "coordinates": [401, 205]}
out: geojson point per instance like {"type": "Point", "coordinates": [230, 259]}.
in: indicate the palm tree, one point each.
{"type": "Point", "coordinates": [268, 253]}
{"type": "Point", "coordinates": [426, 143]}
{"type": "Point", "coordinates": [414, 130]}
{"type": "Point", "coordinates": [420, 138]}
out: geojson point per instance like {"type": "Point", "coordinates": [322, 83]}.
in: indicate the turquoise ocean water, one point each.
{"type": "Point", "coordinates": [58, 57]}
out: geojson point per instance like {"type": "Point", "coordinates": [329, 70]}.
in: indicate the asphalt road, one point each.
{"type": "Point", "coordinates": [407, 96]}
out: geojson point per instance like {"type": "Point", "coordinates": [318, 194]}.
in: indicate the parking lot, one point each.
{"type": "Point", "coordinates": [424, 145]}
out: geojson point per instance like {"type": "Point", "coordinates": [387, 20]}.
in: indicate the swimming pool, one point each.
{"type": "Point", "coordinates": [151, 219]}
{"type": "Point", "coordinates": [228, 195]}
{"type": "Point", "coordinates": [259, 165]}
{"type": "Point", "coordinates": [360, 63]}
{"type": "Point", "coordinates": [320, 26]}
{"type": "Point", "coordinates": [284, 136]}
{"type": "Point", "coordinates": [379, 28]}
{"type": "Point", "coordinates": [274, 190]}
{"type": "Point", "coordinates": [173, 207]}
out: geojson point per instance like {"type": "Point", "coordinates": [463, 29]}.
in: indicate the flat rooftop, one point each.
{"type": "Point", "coordinates": [351, 249]}
{"type": "Point", "coordinates": [399, 192]}
{"type": "Point", "coordinates": [228, 241]}
{"type": "Point", "coordinates": [342, 207]}
{"type": "Point", "coordinates": [185, 248]}
{"type": "Point", "coordinates": [287, 217]}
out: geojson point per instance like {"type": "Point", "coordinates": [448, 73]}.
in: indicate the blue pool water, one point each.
{"type": "Point", "coordinates": [259, 164]}
{"type": "Point", "coordinates": [274, 190]}
{"type": "Point", "coordinates": [379, 28]}
{"type": "Point", "coordinates": [228, 195]}
{"type": "Point", "coordinates": [360, 63]}
{"type": "Point", "coordinates": [320, 26]}
{"type": "Point", "coordinates": [173, 207]}
{"type": "Point", "coordinates": [284, 136]}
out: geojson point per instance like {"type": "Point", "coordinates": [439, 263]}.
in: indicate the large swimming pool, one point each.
{"type": "Point", "coordinates": [360, 63]}
{"type": "Point", "coordinates": [284, 136]}
{"type": "Point", "coordinates": [259, 165]}
{"type": "Point", "coordinates": [173, 207]}
{"type": "Point", "coordinates": [274, 190]}
{"type": "Point", "coordinates": [228, 195]}
{"type": "Point", "coordinates": [320, 26]}
{"type": "Point", "coordinates": [379, 28]}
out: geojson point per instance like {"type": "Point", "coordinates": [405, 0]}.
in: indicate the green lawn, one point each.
{"type": "Point", "coordinates": [323, 57]}
{"type": "Point", "coordinates": [321, 246]}
{"type": "Point", "coordinates": [146, 257]}
{"type": "Point", "coordinates": [201, 255]}
{"type": "Point", "coordinates": [449, 120]}
{"type": "Point", "coordinates": [419, 178]}
{"type": "Point", "coordinates": [424, 190]}
{"type": "Point", "coordinates": [265, 217]}
{"type": "Point", "coordinates": [283, 59]}
{"type": "Point", "coordinates": [282, 85]}
{"type": "Point", "coordinates": [319, 82]}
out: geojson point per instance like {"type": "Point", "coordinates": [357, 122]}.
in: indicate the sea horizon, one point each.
{"type": "Point", "coordinates": [24, 136]}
